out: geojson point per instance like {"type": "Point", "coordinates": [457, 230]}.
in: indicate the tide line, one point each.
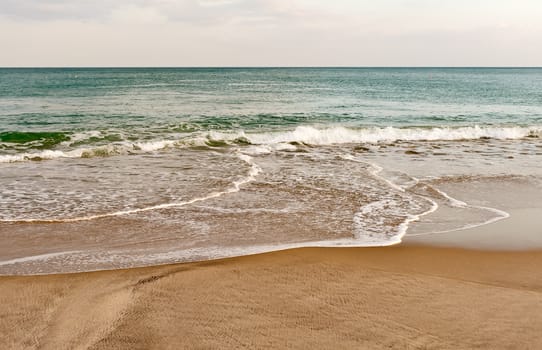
{"type": "Point", "coordinates": [501, 215]}
{"type": "Point", "coordinates": [235, 187]}
{"type": "Point", "coordinates": [375, 170]}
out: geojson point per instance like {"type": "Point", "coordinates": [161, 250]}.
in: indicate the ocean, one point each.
{"type": "Point", "coordinates": [104, 168]}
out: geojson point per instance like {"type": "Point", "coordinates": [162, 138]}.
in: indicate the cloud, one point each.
{"type": "Point", "coordinates": [212, 3]}
{"type": "Point", "coordinates": [55, 9]}
{"type": "Point", "coordinates": [137, 14]}
{"type": "Point", "coordinates": [192, 11]}
{"type": "Point", "coordinates": [269, 32]}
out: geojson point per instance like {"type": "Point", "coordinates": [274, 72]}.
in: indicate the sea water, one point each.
{"type": "Point", "coordinates": [117, 167]}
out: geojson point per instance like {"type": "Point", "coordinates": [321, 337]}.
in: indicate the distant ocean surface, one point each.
{"type": "Point", "coordinates": [106, 168]}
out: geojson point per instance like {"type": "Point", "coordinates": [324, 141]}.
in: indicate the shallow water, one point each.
{"type": "Point", "coordinates": [111, 168]}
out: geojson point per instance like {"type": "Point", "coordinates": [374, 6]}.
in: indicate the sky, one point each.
{"type": "Point", "coordinates": [116, 33]}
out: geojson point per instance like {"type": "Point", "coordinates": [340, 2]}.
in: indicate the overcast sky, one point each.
{"type": "Point", "coordinates": [270, 33]}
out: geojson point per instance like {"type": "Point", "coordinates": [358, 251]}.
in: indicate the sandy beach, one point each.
{"type": "Point", "coordinates": [270, 207]}
{"type": "Point", "coordinates": [398, 297]}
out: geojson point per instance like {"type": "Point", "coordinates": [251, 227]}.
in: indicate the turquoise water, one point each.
{"type": "Point", "coordinates": [106, 168]}
{"type": "Point", "coordinates": [48, 108]}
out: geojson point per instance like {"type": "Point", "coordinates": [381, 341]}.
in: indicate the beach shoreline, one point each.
{"type": "Point", "coordinates": [227, 208]}
{"type": "Point", "coordinates": [395, 297]}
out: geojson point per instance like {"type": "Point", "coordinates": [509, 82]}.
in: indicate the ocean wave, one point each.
{"type": "Point", "coordinates": [338, 135]}
{"type": "Point", "coordinates": [101, 151]}
{"type": "Point", "coordinates": [37, 156]}
{"type": "Point", "coordinates": [35, 139]}
{"type": "Point", "coordinates": [285, 140]}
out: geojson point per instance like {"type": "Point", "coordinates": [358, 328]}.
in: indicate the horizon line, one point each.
{"type": "Point", "coordinates": [264, 67]}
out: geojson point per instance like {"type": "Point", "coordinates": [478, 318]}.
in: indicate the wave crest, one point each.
{"type": "Point", "coordinates": [338, 135]}
{"type": "Point", "coordinates": [284, 140]}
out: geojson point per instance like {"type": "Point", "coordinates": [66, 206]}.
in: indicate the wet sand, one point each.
{"type": "Point", "coordinates": [397, 297]}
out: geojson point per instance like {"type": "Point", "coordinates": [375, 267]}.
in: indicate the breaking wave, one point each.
{"type": "Point", "coordinates": [285, 139]}
{"type": "Point", "coordinates": [338, 135]}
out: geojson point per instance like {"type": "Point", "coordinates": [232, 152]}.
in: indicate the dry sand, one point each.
{"type": "Point", "coordinates": [313, 298]}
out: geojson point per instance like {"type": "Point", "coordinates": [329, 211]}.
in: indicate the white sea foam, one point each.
{"type": "Point", "coordinates": [402, 229]}
{"type": "Point", "coordinates": [267, 149]}
{"type": "Point", "coordinates": [36, 257]}
{"type": "Point", "coordinates": [72, 262]}
{"type": "Point", "coordinates": [383, 208]}
{"type": "Point", "coordinates": [154, 145]}
{"type": "Point", "coordinates": [386, 207]}
{"type": "Point", "coordinates": [80, 136]}
{"type": "Point", "coordinates": [452, 201]}
{"type": "Point", "coordinates": [500, 215]}
{"type": "Point", "coordinates": [235, 187]}
{"type": "Point", "coordinates": [257, 150]}
{"type": "Point", "coordinates": [338, 135]}
{"type": "Point", "coordinates": [86, 152]}
{"type": "Point", "coordinates": [47, 154]}
{"type": "Point", "coordinates": [282, 141]}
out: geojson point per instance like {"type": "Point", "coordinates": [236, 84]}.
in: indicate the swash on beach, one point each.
{"type": "Point", "coordinates": [108, 168]}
